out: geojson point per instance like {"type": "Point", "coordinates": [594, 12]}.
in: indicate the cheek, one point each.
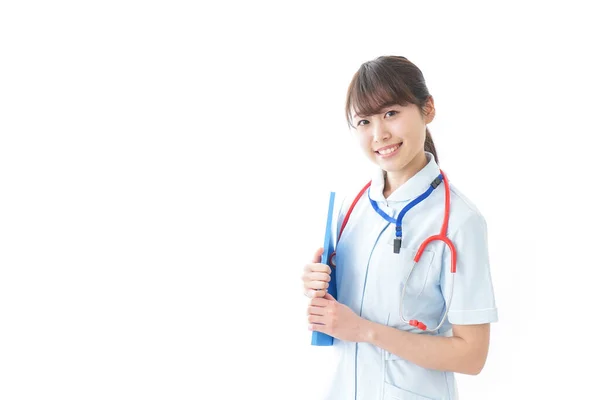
{"type": "Point", "coordinates": [406, 129]}
{"type": "Point", "coordinates": [365, 144]}
{"type": "Point", "coordinates": [364, 140]}
{"type": "Point", "coordinates": [414, 132]}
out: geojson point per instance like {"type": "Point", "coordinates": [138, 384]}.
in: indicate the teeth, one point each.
{"type": "Point", "coordinates": [388, 151]}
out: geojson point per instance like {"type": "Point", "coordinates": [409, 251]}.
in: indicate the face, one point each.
{"type": "Point", "coordinates": [395, 137]}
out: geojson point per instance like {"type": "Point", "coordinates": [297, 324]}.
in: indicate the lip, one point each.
{"type": "Point", "coordinates": [389, 147]}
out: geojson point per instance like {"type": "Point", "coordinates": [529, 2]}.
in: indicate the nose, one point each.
{"type": "Point", "coordinates": [380, 132]}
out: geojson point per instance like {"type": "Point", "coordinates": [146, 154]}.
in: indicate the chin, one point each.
{"type": "Point", "coordinates": [396, 166]}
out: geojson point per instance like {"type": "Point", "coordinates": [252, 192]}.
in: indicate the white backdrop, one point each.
{"type": "Point", "coordinates": [165, 170]}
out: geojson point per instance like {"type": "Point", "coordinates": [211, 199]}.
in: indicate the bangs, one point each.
{"type": "Point", "coordinates": [375, 87]}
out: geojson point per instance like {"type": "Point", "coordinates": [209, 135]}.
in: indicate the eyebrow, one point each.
{"type": "Point", "coordinates": [383, 107]}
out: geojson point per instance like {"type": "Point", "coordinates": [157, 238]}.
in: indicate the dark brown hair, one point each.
{"type": "Point", "coordinates": [384, 81]}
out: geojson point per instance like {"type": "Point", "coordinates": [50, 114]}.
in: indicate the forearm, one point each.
{"type": "Point", "coordinates": [433, 352]}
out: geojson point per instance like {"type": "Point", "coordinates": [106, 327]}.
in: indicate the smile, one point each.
{"type": "Point", "coordinates": [389, 150]}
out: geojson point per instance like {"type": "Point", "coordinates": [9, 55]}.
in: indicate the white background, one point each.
{"type": "Point", "coordinates": [165, 170]}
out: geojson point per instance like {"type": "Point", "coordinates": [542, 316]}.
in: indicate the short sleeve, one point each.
{"type": "Point", "coordinates": [473, 300]}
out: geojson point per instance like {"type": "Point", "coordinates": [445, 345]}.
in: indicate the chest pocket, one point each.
{"type": "Point", "coordinates": [398, 267]}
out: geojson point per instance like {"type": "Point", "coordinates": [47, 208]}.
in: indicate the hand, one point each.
{"type": "Point", "coordinates": [316, 276]}
{"type": "Point", "coordinates": [329, 316]}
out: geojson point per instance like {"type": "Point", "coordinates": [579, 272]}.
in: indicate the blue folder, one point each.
{"type": "Point", "coordinates": [320, 338]}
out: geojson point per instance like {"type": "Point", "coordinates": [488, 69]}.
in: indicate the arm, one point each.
{"type": "Point", "coordinates": [465, 352]}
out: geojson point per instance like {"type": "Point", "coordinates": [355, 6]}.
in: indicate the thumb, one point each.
{"type": "Point", "coordinates": [318, 254]}
{"type": "Point", "coordinates": [329, 297]}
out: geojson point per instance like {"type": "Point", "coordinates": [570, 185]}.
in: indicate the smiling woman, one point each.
{"type": "Point", "coordinates": [389, 81]}
{"type": "Point", "coordinates": [387, 97]}
{"type": "Point", "coordinates": [396, 262]}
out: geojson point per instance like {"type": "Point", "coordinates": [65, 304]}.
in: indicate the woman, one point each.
{"type": "Point", "coordinates": [402, 331]}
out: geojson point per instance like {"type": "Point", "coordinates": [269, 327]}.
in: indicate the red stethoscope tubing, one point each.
{"type": "Point", "coordinates": [443, 232]}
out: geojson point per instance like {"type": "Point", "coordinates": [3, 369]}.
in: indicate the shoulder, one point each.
{"type": "Point", "coordinates": [346, 196]}
{"type": "Point", "coordinates": [464, 213]}
{"type": "Point", "coordinates": [349, 193]}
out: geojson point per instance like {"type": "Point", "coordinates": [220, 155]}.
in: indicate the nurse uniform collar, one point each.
{"type": "Point", "coordinates": [398, 240]}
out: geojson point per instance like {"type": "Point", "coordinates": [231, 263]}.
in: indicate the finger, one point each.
{"type": "Point", "coordinates": [318, 267]}
{"type": "Point", "coordinates": [315, 276]}
{"type": "Point", "coordinates": [313, 294]}
{"type": "Point", "coordinates": [318, 328]}
{"type": "Point", "coordinates": [319, 302]}
{"type": "Point", "coordinates": [317, 257]}
{"type": "Point", "coordinates": [319, 276]}
{"type": "Point", "coordinates": [316, 285]}
{"type": "Point", "coordinates": [316, 310]}
{"type": "Point", "coordinates": [329, 297]}
{"type": "Point", "coordinates": [316, 319]}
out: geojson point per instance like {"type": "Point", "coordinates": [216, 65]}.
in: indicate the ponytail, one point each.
{"type": "Point", "coordinates": [429, 146]}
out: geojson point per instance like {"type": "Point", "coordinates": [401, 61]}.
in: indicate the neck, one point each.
{"type": "Point", "coordinates": [395, 179]}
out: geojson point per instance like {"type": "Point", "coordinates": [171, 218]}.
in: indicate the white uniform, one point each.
{"type": "Point", "coordinates": [370, 278]}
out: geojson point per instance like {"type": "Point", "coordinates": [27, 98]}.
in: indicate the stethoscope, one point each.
{"type": "Point", "coordinates": [442, 236]}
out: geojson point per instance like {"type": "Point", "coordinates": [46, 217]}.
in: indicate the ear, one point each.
{"type": "Point", "coordinates": [429, 110]}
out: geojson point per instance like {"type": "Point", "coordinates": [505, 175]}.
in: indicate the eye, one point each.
{"type": "Point", "coordinates": [362, 122]}
{"type": "Point", "coordinates": [391, 113]}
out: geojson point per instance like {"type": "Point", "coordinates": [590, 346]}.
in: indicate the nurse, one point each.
{"type": "Point", "coordinates": [382, 355]}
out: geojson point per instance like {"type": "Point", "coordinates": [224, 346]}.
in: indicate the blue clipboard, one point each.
{"type": "Point", "coordinates": [320, 338]}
